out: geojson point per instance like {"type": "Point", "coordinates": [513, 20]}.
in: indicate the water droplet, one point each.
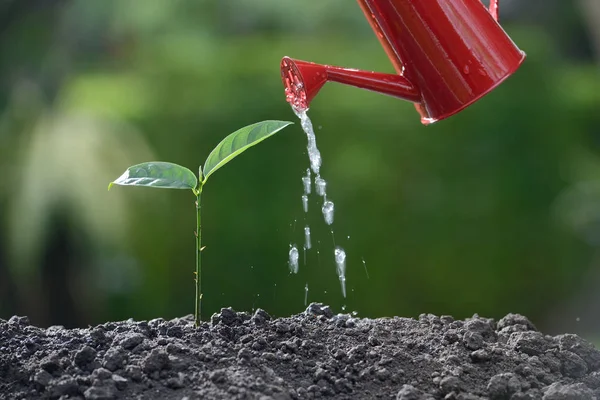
{"type": "Point", "coordinates": [340, 261]}
{"type": "Point", "coordinates": [306, 182]}
{"type": "Point", "coordinates": [344, 307]}
{"type": "Point", "coordinates": [466, 69]}
{"type": "Point", "coordinates": [293, 259]}
{"type": "Point", "coordinates": [320, 186]}
{"type": "Point", "coordinates": [327, 209]}
{"type": "Point", "coordinates": [365, 265]}
{"type": "Point", "coordinates": [307, 244]}
{"type": "Point", "coordinates": [354, 313]}
{"type": "Point", "coordinates": [305, 203]}
{"type": "Point", "coordinates": [306, 294]}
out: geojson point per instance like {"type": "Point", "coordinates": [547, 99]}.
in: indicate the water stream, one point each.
{"type": "Point", "coordinates": [327, 208]}
{"type": "Point", "coordinates": [313, 152]}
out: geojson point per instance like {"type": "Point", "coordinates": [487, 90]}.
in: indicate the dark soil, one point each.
{"type": "Point", "coordinates": [311, 355]}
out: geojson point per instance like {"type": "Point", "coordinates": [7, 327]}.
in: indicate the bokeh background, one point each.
{"type": "Point", "coordinates": [492, 211]}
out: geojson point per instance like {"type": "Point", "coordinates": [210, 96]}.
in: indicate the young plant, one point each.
{"type": "Point", "coordinates": [158, 174]}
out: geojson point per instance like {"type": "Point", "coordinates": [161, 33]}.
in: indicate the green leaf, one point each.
{"type": "Point", "coordinates": [238, 142]}
{"type": "Point", "coordinates": [157, 174]}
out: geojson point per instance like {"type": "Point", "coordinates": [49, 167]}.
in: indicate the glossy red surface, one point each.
{"type": "Point", "coordinates": [447, 55]}
{"type": "Point", "coordinates": [303, 80]}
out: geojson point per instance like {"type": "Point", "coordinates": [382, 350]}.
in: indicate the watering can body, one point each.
{"type": "Point", "coordinates": [447, 54]}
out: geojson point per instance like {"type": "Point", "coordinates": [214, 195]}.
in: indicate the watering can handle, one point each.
{"type": "Point", "coordinates": [494, 9]}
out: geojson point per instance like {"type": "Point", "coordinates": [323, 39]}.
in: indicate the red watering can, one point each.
{"type": "Point", "coordinates": [447, 55]}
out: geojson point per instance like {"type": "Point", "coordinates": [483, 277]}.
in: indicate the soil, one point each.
{"type": "Point", "coordinates": [315, 354]}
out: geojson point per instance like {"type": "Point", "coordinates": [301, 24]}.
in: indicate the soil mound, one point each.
{"type": "Point", "coordinates": [315, 354]}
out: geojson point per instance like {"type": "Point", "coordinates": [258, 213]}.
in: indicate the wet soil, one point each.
{"type": "Point", "coordinates": [311, 355]}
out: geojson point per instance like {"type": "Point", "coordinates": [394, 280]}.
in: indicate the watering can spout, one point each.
{"type": "Point", "coordinates": [447, 55]}
{"type": "Point", "coordinates": [303, 80]}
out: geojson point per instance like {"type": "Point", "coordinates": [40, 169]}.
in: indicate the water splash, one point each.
{"type": "Point", "coordinates": [293, 259]}
{"type": "Point", "coordinates": [307, 244]}
{"type": "Point", "coordinates": [340, 262]}
{"type": "Point", "coordinates": [328, 208]}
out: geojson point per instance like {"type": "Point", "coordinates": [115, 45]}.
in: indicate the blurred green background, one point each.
{"type": "Point", "coordinates": [494, 210]}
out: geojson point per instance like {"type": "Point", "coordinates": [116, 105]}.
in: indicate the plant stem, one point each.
{"type": "Point", "coordinates": [198, 300]}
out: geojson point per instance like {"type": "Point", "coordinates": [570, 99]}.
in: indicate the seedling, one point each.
{"type": "Point", "coordinates": [165, 175]}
